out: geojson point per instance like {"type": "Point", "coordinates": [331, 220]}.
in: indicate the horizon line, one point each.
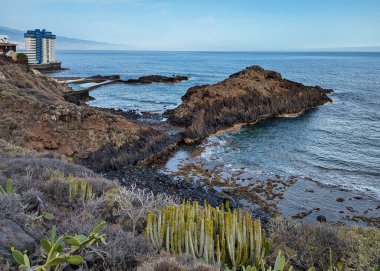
{"type": "Point", "coordinates": [233, 51]}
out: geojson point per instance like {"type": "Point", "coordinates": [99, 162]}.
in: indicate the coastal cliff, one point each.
{"type": "Point", "coordinates": [34, 114]}
{"type": "Point", "coordinates": [245, 97]}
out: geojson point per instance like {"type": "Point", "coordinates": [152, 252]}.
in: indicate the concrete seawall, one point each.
{"type": "Point", "coordinates": [49, 67]}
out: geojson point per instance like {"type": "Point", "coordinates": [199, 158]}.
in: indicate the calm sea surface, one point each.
{"type": "Point", "coordinates": [337, 144]}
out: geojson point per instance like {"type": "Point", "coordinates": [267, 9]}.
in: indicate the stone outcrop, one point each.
{"type": "Point", "coordinates": [82, 96]}
{"type": "Point", "coordinates": [245, 97]}
{"type": "Point", "coordinates": [49, 67]}
{"type": "Point", "coordinates": [34, 114]}
{"type": "Point", "coordinates": [149, 79]}
{"type": "Point", "coordinates": [12, 235]}
{"type": "Point", "coordinates": [78, 97]}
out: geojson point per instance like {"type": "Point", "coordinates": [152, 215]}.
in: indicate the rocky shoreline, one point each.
{"type": "Point", "coordinates": [295, 197]}
{"type": "Point", "coordinates": [37, 113]}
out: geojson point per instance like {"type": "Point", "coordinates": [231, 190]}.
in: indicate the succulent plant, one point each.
{"type": "Point", "coordinates": [230, 238]}
{"type": "Point", "coordinates": [62, 251]}
{"type": "Point", "coordinates": [8, 189]}
{"type": "Point", "coordinates": [79, 188]}
{"type": "Point", "coordinates": [279, 265]}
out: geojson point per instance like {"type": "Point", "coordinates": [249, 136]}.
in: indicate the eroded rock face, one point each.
{"type": "Point", "coordinates": [34, 114]}
{"type": "Point", "coordinates": [245, 97]}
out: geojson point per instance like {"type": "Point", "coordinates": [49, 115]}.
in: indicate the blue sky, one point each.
{"type": "Point", "coordinates": [204, 24]}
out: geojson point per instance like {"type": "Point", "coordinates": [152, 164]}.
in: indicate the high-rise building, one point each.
{"type": "Point", "coordinates": [40, 46]}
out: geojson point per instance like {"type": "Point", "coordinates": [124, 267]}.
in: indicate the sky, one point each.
{"type": "Point", "coordinates": [241, 25]}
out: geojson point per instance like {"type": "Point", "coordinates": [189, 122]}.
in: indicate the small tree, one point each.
{"type": "Point", "coordinates": [22, 56]}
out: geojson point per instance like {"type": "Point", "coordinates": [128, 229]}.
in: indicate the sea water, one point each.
{"type": "Point", "coordinates": [336, 144]}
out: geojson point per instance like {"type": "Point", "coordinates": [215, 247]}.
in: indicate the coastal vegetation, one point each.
{"type": "Point", "coordinates": [126, 228]}
{"type": "Point", "coordinates": [22, 56]}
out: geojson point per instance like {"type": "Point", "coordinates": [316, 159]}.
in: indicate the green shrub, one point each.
{"type": "Point", "coordinates": [22, 56]}
{"type": "Point", "coordinates": [279, 265]}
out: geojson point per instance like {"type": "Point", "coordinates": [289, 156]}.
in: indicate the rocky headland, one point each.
{"type": "Point", "coordinates": [245, 97]}
{"type": "Point", "coordinates": [35, 114]}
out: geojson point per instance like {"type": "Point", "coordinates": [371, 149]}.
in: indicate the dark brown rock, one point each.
{"type": "Point", "coordinates": [35, 114]}
{"type": "Point", "coordinates": [301, 215]}
{"type": "Point", "coordinates": [321, 218]}
{"type": "Point", "coordinates": [245, 97]}
{"type": "Point", "coordinates": [156, 79]}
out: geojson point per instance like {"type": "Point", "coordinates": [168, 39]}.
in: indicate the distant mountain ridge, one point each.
{"type": "Point", "coordinates": [63, 43]}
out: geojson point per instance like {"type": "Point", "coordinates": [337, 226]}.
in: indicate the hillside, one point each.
{"type": "Point", "coordinates": [63, 43]}
{"type": "Point", "coordinates": [34, 114]}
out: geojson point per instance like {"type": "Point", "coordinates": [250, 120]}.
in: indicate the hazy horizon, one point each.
{"type": "Point", "coordinates": [206, 25]}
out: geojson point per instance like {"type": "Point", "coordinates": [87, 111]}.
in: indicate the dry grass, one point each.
{"type": "Point", "coordinates": [10, 206]}
{"type": "Point", "coordinates": [10, 149]}
{"type": "Point", "coordinates": [125, 250]}
{"type": "Point", "coordinates": [183, 262]}
{"type": "Point", "coordinates": [308, 245]}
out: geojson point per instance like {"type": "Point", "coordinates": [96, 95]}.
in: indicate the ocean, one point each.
{"type": "Point", "coordinates": [335, 145]}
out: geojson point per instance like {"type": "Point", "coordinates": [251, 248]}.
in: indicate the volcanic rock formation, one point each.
{"type": "Point", "coordinates": [34, 114]}
{"type": "Point", "coordinates": [245, 97]}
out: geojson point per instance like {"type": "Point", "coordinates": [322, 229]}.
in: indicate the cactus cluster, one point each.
{"type": "Point", "coordinates": [78, 188]}
{"type": "Point", "coordinates": [228, 238]}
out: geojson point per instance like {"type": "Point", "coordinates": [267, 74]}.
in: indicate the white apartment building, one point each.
{"type": "Point", "coordinates": [48, 53]}
{"type": "Point", "coordinates": [40, 46]}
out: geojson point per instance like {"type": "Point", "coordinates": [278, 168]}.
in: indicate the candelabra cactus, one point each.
{"type": "Point", "coordinates": [79, 188]}
{"type": "Point", "coordinates": [230, 238]}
